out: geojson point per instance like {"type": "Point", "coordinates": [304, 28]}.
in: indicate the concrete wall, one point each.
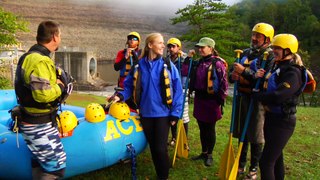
{"type": "Point", "coordinates": [81, 65]}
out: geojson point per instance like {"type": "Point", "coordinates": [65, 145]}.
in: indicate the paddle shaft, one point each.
{"type": "Point", "coordinates": [184, 100]}
{"type": "Point", "coordinates": [235, 94]}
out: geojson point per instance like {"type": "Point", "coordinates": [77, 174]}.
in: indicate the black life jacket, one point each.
{"type": "Point", "coordinates": [131, 62]}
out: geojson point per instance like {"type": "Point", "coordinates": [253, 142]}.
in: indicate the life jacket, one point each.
{"type": "Point", "coordinates": [288, 107]}
{"type": "Point", "coordinates": [213, 82]}
{"type": "Point", "coordinates": [250, 60]}
{"type": "Point", "coordinates": [165, 84]}
{"type": "Point", "coordinates": [130, 62]}
{"type": "Point", "coordinates": [23, 90]}
{"type": "Point", "coordinates": [25, 98]}
{"type": "Point", "coordinates": [204, 77]}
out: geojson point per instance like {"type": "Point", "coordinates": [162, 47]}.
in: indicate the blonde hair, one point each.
{"type": "Point", "coordinates": [150, 39]}
{"type": "Point", "coordinates": [297, 59]}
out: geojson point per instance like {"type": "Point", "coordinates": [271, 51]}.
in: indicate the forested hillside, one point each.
{"type": "Point", "coordinates": [231, 26]}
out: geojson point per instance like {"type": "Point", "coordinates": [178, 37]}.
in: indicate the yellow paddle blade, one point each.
{"type": "Point", "coordinates": [227, 160]}
{"type": "Point", "coordinates": [178, 137]}
{"type": "Point", "coordinates": [234, 171]}
{"type": "Point", "coordinates": [183, 148]}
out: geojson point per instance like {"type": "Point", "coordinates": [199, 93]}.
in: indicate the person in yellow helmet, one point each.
{"type": "Point", "coordinates": [244, 73]}
{"type": "Point", "coordinates": [38, 92]}
{"type": "Point", "coordinates": [126, 59]}
{"type": "Point", "coordinates": [283, 85]}
{"type": "Point", "coordinates": [177, 56]}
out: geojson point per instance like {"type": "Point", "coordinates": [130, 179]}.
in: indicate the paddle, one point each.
{"type": "Point", "coordinates": [227, 158]}
{"type": "Point", "coordinates": [234, 171]}
{"type": "Point", "coordinates": [181, 134]}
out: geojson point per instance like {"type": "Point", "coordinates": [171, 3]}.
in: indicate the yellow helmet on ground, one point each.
{"type": "Point", "coordinates": [174, 41]}
{"type": "Point", "coordinates": [265, 29]}
{"type": "Point", "coordinates": [119, 110]}
{"type": "Point", "coordinates": [95, 113]}
{"type": "Point", "coordinates": [136, 34]}
{"type": "Point", "coordinates": [286, 41]}
{"type": "Point", "coordinates": [67, 121]}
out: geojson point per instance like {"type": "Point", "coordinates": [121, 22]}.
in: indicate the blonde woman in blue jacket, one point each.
{"type": "Point", "coordinates": [156, 88]}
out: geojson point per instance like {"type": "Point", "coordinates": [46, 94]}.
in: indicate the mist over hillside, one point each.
{"type": "Point", "coordinates": [98, 26]}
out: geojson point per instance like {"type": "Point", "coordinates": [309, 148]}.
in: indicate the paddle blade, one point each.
{"type": "Point", "coordinates": [234, 171]}
{"type": "Point", "coordinates": [178, 139]}
{"type": "Point", "coordinates": [183, 148]}
{"type": "Point", "coordinates": [227, 160]}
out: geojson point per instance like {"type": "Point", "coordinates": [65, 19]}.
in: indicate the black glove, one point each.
{"type": "Point", "coordinates": [65, 77]}
{"type": "Point", "coordinates": [67, 81]}
{"type": "Point", "coordinates": [173, 119]}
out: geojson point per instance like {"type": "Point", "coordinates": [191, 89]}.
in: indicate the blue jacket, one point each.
{"type": "Point", "coordinates": [151, 103]}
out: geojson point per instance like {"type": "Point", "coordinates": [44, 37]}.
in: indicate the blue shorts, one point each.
{"type": "Point", "coordinates": [45, 145]}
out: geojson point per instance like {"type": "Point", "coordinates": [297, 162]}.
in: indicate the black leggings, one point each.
{"type": "Point", "coordinates": [276, 136]}
{"type": "Point", "coordinates": [255, 151]}
{"type": "Point", "coordinates": [156, 131]}
{"type": "Point", "coordinates": [207, 136]}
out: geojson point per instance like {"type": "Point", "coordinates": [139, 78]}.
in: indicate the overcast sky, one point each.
{"type": "Point", "coordinates": [170, 5]}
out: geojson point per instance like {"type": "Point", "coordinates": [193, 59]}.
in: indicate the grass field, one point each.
{"type": "Point", "coordinates": [302, 156]}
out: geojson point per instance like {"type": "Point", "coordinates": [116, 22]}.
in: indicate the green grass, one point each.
{"type": "Point", "coordinates": [302, 156]}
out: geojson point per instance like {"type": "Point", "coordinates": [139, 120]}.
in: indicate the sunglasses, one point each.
{"type": "Point", "coordinates": [171, 46]}
{"type": "Point", "coordinates": [133, 38]}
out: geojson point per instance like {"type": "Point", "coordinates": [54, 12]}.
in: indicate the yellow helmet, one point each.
{"type": "Point", "coordinates": [265, 29]}
{"type": "Point", "coordinates": [119, 110]}
{"type": "Point", "coordinates": [174, 41]}
{"type": "Point", "coordinates": [286, 41]}
{"type": "Point", "coordinates": [95, 113]}
{"type": "Point", "coordinates": [67, 121]}
{"type": "Point", "coordinates": [136, 34]}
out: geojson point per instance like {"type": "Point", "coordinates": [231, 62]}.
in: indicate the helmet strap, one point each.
{"type": "Point", "coordinates": [284, 54]}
